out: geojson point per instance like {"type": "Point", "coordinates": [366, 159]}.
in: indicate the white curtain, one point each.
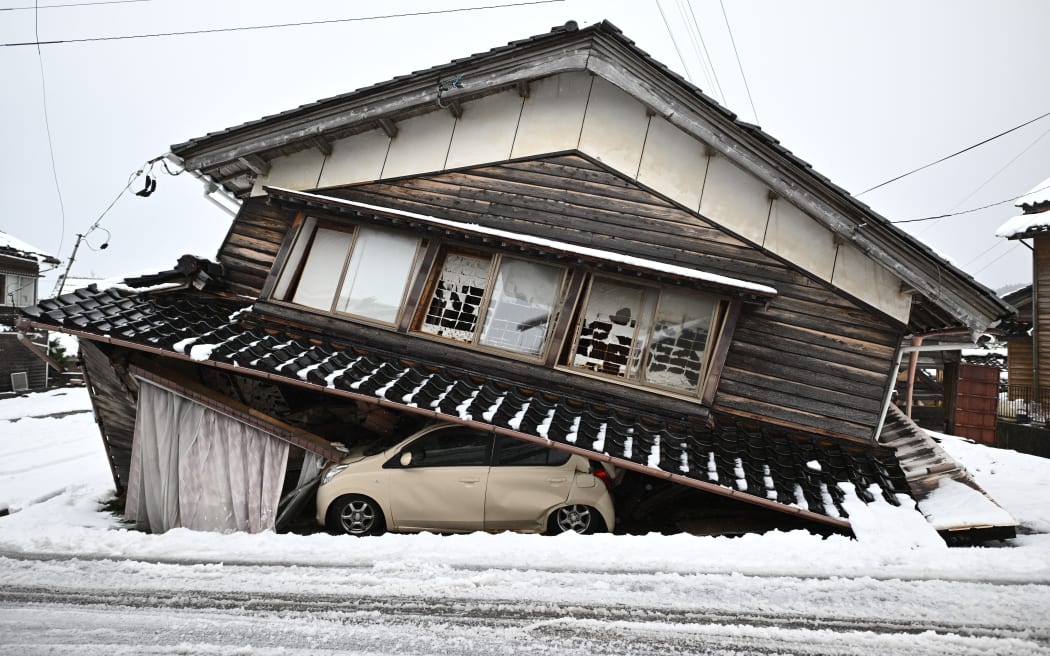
{"type": "Point", "coordinates": [200, 469]}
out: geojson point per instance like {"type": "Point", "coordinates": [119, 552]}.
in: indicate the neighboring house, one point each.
{"type": "Point", "coordinates": [21, 368]}
{"type": "Point", "coordinates": [557, 240]}
{"type": "Point", "coordinates": [1028, 334]}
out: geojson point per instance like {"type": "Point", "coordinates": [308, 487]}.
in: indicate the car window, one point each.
{"type": "Point", "coordinates": [452, 447]}
{"type": "Point", "coordinates": [511, 452]}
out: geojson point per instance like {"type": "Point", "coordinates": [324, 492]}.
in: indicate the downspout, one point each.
{"type": "Point", "coordinates": [913, 364]}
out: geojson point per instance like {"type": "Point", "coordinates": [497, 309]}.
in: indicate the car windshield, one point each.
{"type": "Point", "coordinates": [382, 444]}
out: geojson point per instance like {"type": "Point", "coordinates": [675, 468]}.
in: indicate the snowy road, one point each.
{"type": "Point", "coordinates": [50, 605]}
{"type": "Point", "coordinates": [74, 580]}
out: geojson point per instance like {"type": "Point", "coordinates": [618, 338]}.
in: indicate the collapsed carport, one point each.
{"type": "Point", "coordinates": [214, 349]}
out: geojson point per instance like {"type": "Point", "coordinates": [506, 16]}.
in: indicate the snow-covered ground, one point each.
{"type": "Point", "coordinates": [73, 580]}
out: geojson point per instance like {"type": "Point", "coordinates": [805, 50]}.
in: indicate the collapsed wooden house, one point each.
{"type": "Point", "coordinates": [558, 240]}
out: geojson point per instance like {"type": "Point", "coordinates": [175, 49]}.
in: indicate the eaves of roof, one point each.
{"type": "Point", "coordinates": [604, 50]}
{"type": "Point", "coordinates": [791, 472]}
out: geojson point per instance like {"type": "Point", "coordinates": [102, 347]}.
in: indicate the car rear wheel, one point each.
{"type": "Point", "coordinates": [575, 518]}
{"type": "Point", "coordinates": [355, 514]}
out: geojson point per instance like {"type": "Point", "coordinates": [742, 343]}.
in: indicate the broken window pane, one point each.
{"type": "Point", "coordinates": [644, 334]}
{"type": "Point", "coordinates": [676, 350]}
{"type": "Point", "coordinates": [324, 264]}
{"type": "Point", "coordinates": [521, 305]}
{"type": "Point", "coordinates": [379, 270]}
{"type": "Point", "coordinates": [610, 327]}
{"type": "Point", "coordinates": [456, 304]}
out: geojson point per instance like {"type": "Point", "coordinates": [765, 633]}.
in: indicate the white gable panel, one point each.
{"type": "Point", "coordinates": [421, 144]}
{"type": "Point", "coordinates": [614, 128]}
{"type": "Point", "coordinates": [673, 163]}
{"type": "Point", "coordinates": [795, 236]}
{"type": "Point", "coordinates": [735, 199]}
{"type": "Point", "coordinates": [296, 171]}
{"type": "Point", "coordinates": [485, 131]}
{"type": "Point", "coordinates": [358, 158]}
{"type": "Point", "coordinates": [552, 117]}
{"type": "Point", "coordinates": [858, 274]}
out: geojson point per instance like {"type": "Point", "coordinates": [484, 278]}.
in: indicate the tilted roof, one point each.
{"type": "Point", "coordinates": [14, 247]}
{"type": "Point", "coordinates": [788, 471]}
{"type": "Point", "coordinates": [947, 296]}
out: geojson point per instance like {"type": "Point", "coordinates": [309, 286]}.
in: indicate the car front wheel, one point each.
{"type": "Point", "coordinates": [575, 518]}
{"type": "Point", "coordinates": [355, 514]}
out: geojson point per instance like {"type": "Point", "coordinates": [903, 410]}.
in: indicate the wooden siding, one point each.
{"type": "Point", "coordinates": [252, 243]}
{"type": "Point", "coordinates": [1041, 313]}
{"type": "Point", "coordinates": [1019, 363]}
{"type": "Point", "coordinates": [114, 403]}
{"type": "Point", "coordinates": [812, 358]}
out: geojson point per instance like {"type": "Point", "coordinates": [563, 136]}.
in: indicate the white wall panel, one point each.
{"type": "Point", "coordinates": [673, 163]}
{"type": "Point", "coordinates": [614, 128]}
{"type": "Point", "coordinates": [421, 144]}
{"type": "Point", "coordinates": [798, 238]}
{"type": "Point", "coordinates": [296, 171]}
{"type": "Point", "coordinates": [485, 131]}
{"type": "Point", "coordinates": [735, 199]}
{"type": "Point", "coordinates": [358, 158]}
{"type": "Point", "coordinates": [858, 274]}
{"type": "Point", "coordinates": [552, 117]}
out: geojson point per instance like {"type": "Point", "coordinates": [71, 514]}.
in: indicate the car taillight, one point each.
{"type": "Point", "coordinates": [603, 476]}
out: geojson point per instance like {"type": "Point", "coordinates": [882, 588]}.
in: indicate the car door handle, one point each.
{"type": "Point", "coordinates": [470, 481]}
{"type": "Point", "coordinates": [556, 481]}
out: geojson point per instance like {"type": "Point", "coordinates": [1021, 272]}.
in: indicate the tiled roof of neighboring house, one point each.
{"type": "Point", "coordinates": [1035, 214]}
{"type": "Point", "coordinates": [748, 460]}
{"type": "Point", "coordinates": [17, 248]}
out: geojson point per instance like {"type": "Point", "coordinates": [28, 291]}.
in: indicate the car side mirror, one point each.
{"type": "Point", "coordinates": [406, 459]}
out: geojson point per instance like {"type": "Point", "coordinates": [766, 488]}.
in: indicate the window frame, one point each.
{"type": "Point", "coordinates": [289, 277]}
{"type": "Point", "coordinates": [496, 260]}
{"type": "Point", "coordinates": [717, 332]}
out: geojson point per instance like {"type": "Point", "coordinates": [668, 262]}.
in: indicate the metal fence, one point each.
{"type": "Point", "coordinates": [1024, 404]}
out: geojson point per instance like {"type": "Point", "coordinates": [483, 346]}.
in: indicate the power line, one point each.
{"type": "Point", "coordinates": [708, 80]}
{"type": "Point", "coordinates": [74, 4]}
{"type": "Point", "coordinates": [703, 44]}
{"type": "Point", "coordinates": [947, 157]}
{"type": "Point", "coordinates": [993, 177]}
{"type": "Point", "coordinates": [997, 259]}
{"type": "Point", "coordinates": [969, 211]}
{"type": "Point", "coordinates": [740, 66]}
{"type": "Point", "coordinates": [685, 67]}
{"type": "Point", "coordinates": [277, 25]}
{"type": "Point", "coordinates": [47, 129]}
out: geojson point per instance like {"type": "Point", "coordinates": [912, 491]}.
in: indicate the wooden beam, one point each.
{"type": "Point", "coordinates": [322, 144]}
{"type": "Point", "coordinates": [524, 90]}
{"type": "Point", "coordinates": [454, 108]}
{"type": "Point", "coordinates": [388, 126]}
{"type": "Point", "coordinates": [255, 163]}
{"type": "Point", "coordinates": [184, 386]}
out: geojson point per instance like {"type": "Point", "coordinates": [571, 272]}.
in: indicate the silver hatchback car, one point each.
{"type": "Point", "coordinates": [454, 479]}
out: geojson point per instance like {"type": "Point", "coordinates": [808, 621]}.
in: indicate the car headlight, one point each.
{"type": "Point", "coordinates": [331, 473]}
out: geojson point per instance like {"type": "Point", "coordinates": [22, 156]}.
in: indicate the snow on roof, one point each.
{"type": "Point", "coordinates": [1024, 223]}
{"type": "Point", "coordinates": [25, 250]}
{"type": "Point", "coordinates": [565, 247]}
{"type": "Point", "coordinates": [956, 505]}
{"type": "Point", "coordinates": [1038, 194]}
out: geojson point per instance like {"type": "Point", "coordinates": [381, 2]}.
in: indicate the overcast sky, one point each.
{"type": "Point", "coordinates": [864, 91]}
